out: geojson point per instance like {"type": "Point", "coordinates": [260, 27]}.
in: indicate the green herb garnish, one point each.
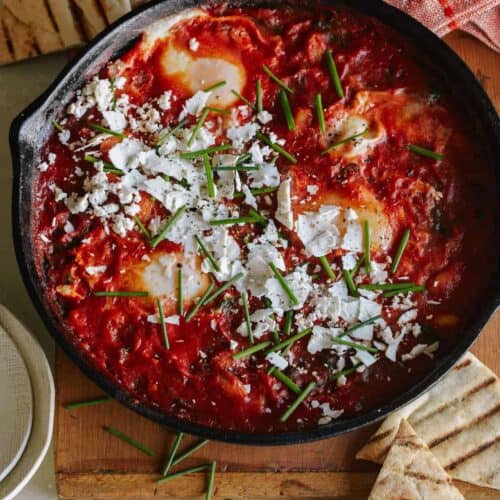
{"type": "Point", "coordinates": [276, 147]}
{"type": "Point", "coordinates": [104, 130]}
{"type": "Point", "coordinates": [345, 372]}
{"type": "Point", "coordinates": [171, 454]}
{"type": "Point", "coordinates": [92, 402]}
{"type": "Point", "coordinates": [276, 80]}
{"type": "Point", "coordinates": [209, 175]}
{"type": "Point", "coordinates": [343, 141]}
{"type": "Point", "coordinates": [239, 168]}
{"type": "Point", "coordinates": [129, 440]}
{"type": "Point", "coordinates": [425, 152]}
{"type": "Point", "coordinates": [258, 96]}
{"type": "Point", "coordinates": [288, 322]}
{"type": "Point", "coordinates": [285, 104]}
{"type": "Point", "coordinates": [400, 250]}
{"type": "Point", "coordinates": [302, 396]}
{"type": "Point", "coordinates": [188, 452]}
{"type": "Point", "coordinates": [291, 340]}
{"type": "Point", "coordinates": [367, 245]}
{"type": "Point", "coordinates": [415, 288]}
{"type": "Point", "coordinates": [221, 111]}
{"type": "Point", "coordinates": [258, 191]}
{"type": "Point", "coordinates": [223, 288]}
{"type": "Point", "coordinates": [360, 325]}
{"type": "Point", "coordinates": [166, 342]}
{"type": "Point", "coordinates": [215, 86]}
{"type": "Point", "coordinates": [197, 127]}
{"type": "Point", "coordinates": [200, 302]}
{"type": "Point", "coordinates": [184, 472]}
{"type": "Point", "coordinates": [243, 99]}
{"type": "Point", "coordinates": [318, 103]}
{"type": "Point", "coordinates": [327, 267]}
{"type": "Point", "coordinates": [334, 73]}
{"type": "Point", "coordinates": [350, 283]}
{"type": "Point", "coordinates": [252, 217]}
{"type": "Point", "coordinates": [180, 298]}
{"type": "Point", "coordinates": [244, 299]}
{"type": "Point", "coordinates": [207, 253]}
{"type": "Point", "coordinates": [189, 155]}
{"type": "Point", "coordinates": [275, 372]}
{"type": "Point", "coordinates": [252, 350]}
{"type": "Point", "coordinates": [354, 345]}
{"type": "Point", "coordinates": [121, 294]}
{"type": "Point", "coordinates": [142, 227]}
{"type": "Point", "coordinates": [171, 132]}
{"type": "Point", "coordinates": [211, 478]}
{"type": "Point", "coordinates": [387, 287]}
{"type": "Point", "coordinates": [57, 126]}
{"type": "Point", "coordinates": [173, 219]}
{"type": "Point", "coordinates": [283, 283]}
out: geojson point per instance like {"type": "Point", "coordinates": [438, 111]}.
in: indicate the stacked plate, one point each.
{"type": "Point", "coordinates": [27, 408]}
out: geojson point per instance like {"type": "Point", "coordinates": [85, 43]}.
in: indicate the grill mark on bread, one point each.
{"type": "Point", "coordinates": [463, 364]}
{"type": "Point", "coordinates": [483, 385]}
{"type": "Point", "coordinates": [473, 423]}
{"type": "Point", "coordinates": [382, 435]}
{"type": "Point", "coordinates": [473, 453]}
{"type": "Point", "coordinates": [411, 444]}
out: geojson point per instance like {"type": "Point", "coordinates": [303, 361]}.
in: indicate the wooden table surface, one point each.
{"type": "Point", "coordinates": [92, 464]}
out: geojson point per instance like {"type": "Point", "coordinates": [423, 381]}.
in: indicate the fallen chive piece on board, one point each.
{"type": "Point", "coordinates": [181, 473]}
{"type": "Point", "coordinates": [276, 80]}
{"type": "Point", "coordinates": [326, 266]}
{"type": "Point", "coordinates": [251, 350]}
{"type": "Point", "coordinates": [210, 176]}
{"type": "Point", "coordinates": [318, 103]}
{"type": "Point", "coordinates": [207, 253]}
{"type": "Point", "coordinates": [285, 380]}
{"type": "Point", "coordinates": [105, 130]}
{"type": "Point", "coordinates": [343, 141]}
{"type": "Point", "coordinates": [200, 302]}
{"type": "Point", "coordinates": [223, 288]}
{"type": "Point", "coordinates": [345, 372]}
{"type": "Point", "coordinates": [180, 298]}
{"type": "Point", "coordinates": [173, 219]}
{"type": "Point", "coordinates": [189, 451]}
{"type": "Point", "coordinates": [400, 250]}
{"type": "Point", "coordinates": [350, 283]}
{"type": "Point", "coordinates": [121, 294]}
{"type": "Point", "coordinates": [211, 478]}
{"type": "Point", "coordinates": [291, 340]}
{"type": "Point", "coordinates": [92, 402]}
{"type": "Point", "coordinates": [166, 343]}
{"type": "Point", "coordinates": [354, 345]}
{"type": "Point", "coordinates": [419, 150]}
{"type": "Point", "coordinates": [283, 152]}
{"type": "Point", "coordinates": [129, 440]}
{"type": "Point", "coordinates": [248, 323]}
{"type": "Point", "coordinates": [302, 396]}
{"type": "Point", "coordinates": [215, 86]}
{"type": "Point", "coordinates": [287, 110]}
{"type": "Point", "coordinates": [283, 283]}
{"type": "Point", "coordinates": [243, 99]}
{"type": "Point", "coordinates": [197, 127]}
{"type": "Point", "coordinates": [172, 453]}
{"type": "Point", "coordinates": [367, 243]}
{"type": "Point", "coordinates": [334, 73]}
{"type": "Point", "coordinates": [258, 96]}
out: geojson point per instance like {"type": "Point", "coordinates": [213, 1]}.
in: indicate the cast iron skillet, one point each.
{"type": "Point", "coordinates": [32, 127]}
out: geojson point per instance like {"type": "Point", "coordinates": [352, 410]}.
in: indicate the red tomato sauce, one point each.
{"type": "Point", "coordinates": [447, 252]}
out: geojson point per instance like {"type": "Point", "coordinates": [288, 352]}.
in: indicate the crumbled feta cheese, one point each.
{"type": "Point", "coordinates": [115, 120]}
{"type": "Point", "coordinates": [284, 212]}
{"type": "Point", "coordinates": [277, 360]}
{"type": "Point", "coordinates": [415, 352]}
{"type": "Point", "coordinates": [43, 167]}
{"type": "Point", "coordinates": [312, 189]}
{"type": "Point", "coordinates": [195, 104]}
{"type": "Point", "coordinates": [165, 100]}
{"type": "Point", "coordinates": [194, 44]}
{"type": "Point", "coordinates": [408, 317]}
{"type": "Point", "coordinates": [264, 117]}
{"type": "Point", "coordinates": [94, 270]}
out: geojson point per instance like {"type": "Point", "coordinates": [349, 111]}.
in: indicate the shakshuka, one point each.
{"type": "Point", "coordinates": [264, 220]}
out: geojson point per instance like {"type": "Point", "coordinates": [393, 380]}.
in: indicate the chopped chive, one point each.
{"type": "Point", "coordinates": [244, 99]}
{"type": "Point", "coordinates": [283, 283]}
{"type": "Point", "coordinates": [327, 267]}
{"type": "Point", "coordinates": [345, 372]}
{"type": "Point", "coordinates": [357, 266]}
{"type": "Point", "coordinates": [211, 478]}
{"type": "Point", "coordinates": [253, 217]}
{"type": "Point", "coordinates": [276, 80]}
{"type": "Point", "coordinates": [285, 104]}
{"type": "Point", "coordinates": [399, 252]}
{"type": "Point", "coordinates": [276, 147]}
{"type": "Point", "coordinates": [112, 170]}
{"type": "Point", "coordinates": [302, 396]}
{"type": "Point", "coordinates": [121, 294]}
{"type": "Point", "coordinates": [387, 287]}
{"type": "Point", "coordinates": [288, 322]}
{"type": "Point", "coordinates": [93, 159]}
{"type": "Point", "coordinates": [360, 325]}
{"type": "Point", "coordinates": [425, 152]}
{"type": "Point", "coordinates": [180, 298]}
{"type": "Point", "coordinates": [223, 288]}
{"type": "Point", "coordinates": [215, 86]}
{"type": "Point", "coordinates": [334, 73]}
{"type": "Point", "coordinates": [181, 473]}
{"type": "Point", "coordinates": [354, 345]}
{"type": "Point", "coordinates": [318, 102]}
{"type": "Point", "coordinates": [367, 243]}
{"type": "Point", "coordinates": [207, 253]}
{"type": "Point", "coordinates": [258, 191]}
{"type": "Point", "coordinates": [57, 126]}
{"type": "Point", "coordinates": [416, 288]}
{"type": "Point", "coordinates": [189, 155]}
{"type": "Point", "coordinates": [209, 175]}
{"type": "Point", "coordinates": [142, 227]}
{"type": "Point", "coordinates": [113, 89]}
{"type": "Point", "coordinates": [197, 127]}
{"type": "Point", "coordinates": [239, 168]}
{"type": "Point", "coordinates": [218, 110]}
{"type": "Point", "coordinates": [171, 132]}
{"type": "Point", "coordinates": [350, 283]}
{"type": "Point", "coordinates": [171, 454]}
{"type": "Point", "coordinates": [166, 343]}
{"type": "Point", "coordinates": [275, 333]}
{"type": "Point", "coordinates": [258, 99]}
{"type": "Point", "coordinates": [104, 130]}
{"type": "Point", "coordinates": [173, 219]}
{"type": "Point", "coordinates": [252, 350]}
{"type": "Point", "coordinates": [188, 452]}
{"type": "Point", "coordinates": [129, 440]}
{"type": "Point", "coordinates": [244, 299]}
{"type": "Point", "coordinates": [243, 158]}
{"type": "Point", "coordinates": [285, 380]}
{"type": "Point", "coordinates": [200, 302]}
{"type": "Point", "coordinates": [290, 340]}
{"type": "Point", "coordinates": [92, 402]}
{"type": "Point", "coordinates": [343, 141]}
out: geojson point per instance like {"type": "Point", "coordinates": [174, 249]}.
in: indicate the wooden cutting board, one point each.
{"type": "Point", "coordinates": [92, 464]}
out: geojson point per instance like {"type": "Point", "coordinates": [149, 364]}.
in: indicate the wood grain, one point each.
{"type": "Point", "coordinates": [92, 464]}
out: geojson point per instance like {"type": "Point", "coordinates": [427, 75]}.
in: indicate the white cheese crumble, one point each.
{"type": "Point", "coordinates": [284, 212]}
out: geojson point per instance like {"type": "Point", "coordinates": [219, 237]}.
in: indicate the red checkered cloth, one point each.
{"type": "Point", "coordinates": [480, 18]}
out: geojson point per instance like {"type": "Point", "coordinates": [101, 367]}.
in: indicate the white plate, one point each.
{"type": "Point", "coordinates": [43, 390]}
{"type": "Point", "coordinates": [16, 409]}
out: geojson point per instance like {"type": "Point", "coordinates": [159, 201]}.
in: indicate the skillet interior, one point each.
{"type": "Point", "coordinates": [33, 126]}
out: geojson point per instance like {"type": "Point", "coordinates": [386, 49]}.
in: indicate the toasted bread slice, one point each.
{"type": "Point", "coordinates": [115, 9]}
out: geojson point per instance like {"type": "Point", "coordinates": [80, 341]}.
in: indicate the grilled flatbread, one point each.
{"type": "Point", "coordinates": [91, 18]}
{"type": "Point", "coordinates": [66, 24]}
{"type": "Point", "coordinates": [115, 9]}
{"type": "Point", "coordinates": [5, 54]}
{"type": "Point", "coordinates": [411, 471]}
{"type": "Point", "coordinates": [18, 35]}
{"type": "Point", "coordinates": [459, 419]}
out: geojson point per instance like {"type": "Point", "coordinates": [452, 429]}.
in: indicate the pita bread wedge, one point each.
{"type": "Point", "coordinates": [115, 9]}
{"type": "Point", "coordinates": [19, 35]}
{"type": "Point", "coordinates": [5, 54]}
{"type": "Point", "coordinates": [459, 419]}
{"type": "Point", "coordinates": [411, 471]}
{"type": "Point", "coordinates": [66, 24]}
{"type": "Point", "coordinates": [92, 20]}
